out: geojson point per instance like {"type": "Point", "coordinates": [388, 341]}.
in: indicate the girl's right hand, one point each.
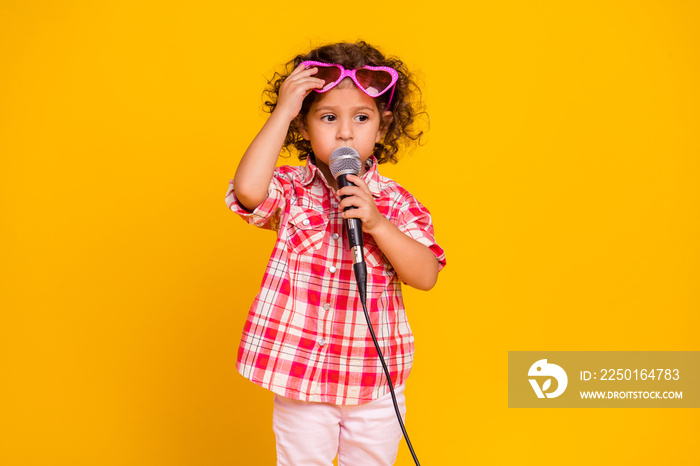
{"type": "Point", "coordinates": [295, 88]}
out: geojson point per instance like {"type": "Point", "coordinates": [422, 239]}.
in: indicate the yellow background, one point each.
{"type": "Point", "coordinates": [562, 169]}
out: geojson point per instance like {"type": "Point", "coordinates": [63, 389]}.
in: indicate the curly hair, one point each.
{"type": "Point", "coordinates": [406, 104]}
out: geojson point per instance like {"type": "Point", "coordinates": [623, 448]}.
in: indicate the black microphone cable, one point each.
{"type": "Point", "coordinates": [362, 272]}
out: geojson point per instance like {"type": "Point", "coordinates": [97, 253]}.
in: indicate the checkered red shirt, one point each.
{"type": "Point", "coordinates": [306, 336]}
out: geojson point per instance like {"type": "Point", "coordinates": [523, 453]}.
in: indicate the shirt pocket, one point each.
{"type": "Point", "coordinates": [305, 230]}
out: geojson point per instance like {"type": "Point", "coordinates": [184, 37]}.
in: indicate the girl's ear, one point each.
{"type": "Point", "coordinates": [301, 126]}
{"type": "Point", "coordinates": [387, 118]}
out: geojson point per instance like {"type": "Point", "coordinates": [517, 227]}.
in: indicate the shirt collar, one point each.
{"type": "Point", "coordinates": [371, 176]}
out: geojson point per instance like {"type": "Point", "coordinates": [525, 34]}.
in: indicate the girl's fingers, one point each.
{"type": "Point", "coordinates": [352, 191]}
{"type": "Point", "coordinates": [359, 182]}
{"type": "Point", "coordinates": [352, 201]}
{"type": "Point", "coordinates": [313, 82]}
{"type": "Point", "coordinates": [359, 188]}
{"type": "Point", "coordinates": [299, 69]}
{"type": "Point", "coordinates": [358, 200]}
{"type": "Point", "coordinates": [301, 72]}
{"type": "Point", "coordinates": [305, 83]}
{"type": "Point", "coordinates": [303, 78]}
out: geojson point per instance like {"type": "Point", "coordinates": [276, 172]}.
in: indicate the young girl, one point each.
{"type": "Point", "coordinates": [306, 338]}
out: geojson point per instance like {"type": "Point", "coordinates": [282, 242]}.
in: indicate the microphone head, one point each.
{"type": "Point", "coordinates": [345, 161]}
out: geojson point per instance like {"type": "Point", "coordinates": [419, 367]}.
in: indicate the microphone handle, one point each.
{"type": "Point", "coordinates": [353, 226]}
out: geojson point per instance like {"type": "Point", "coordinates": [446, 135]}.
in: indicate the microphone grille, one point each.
{"type": "Point", "coordinates": [345, 161]}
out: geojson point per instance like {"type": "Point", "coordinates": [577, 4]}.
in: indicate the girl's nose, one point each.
{"type": "Point", "coordinates": [344, 131]}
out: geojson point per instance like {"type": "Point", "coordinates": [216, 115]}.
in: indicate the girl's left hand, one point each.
{"type": "Point", "coordinates": [366, 209]}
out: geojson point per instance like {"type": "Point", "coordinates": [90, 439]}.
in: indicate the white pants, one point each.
{"type": "Point", "coordinates": [313, 433]}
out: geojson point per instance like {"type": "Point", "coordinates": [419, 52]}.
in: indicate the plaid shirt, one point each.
{"type": "Point", "coordinates": [306, 336]}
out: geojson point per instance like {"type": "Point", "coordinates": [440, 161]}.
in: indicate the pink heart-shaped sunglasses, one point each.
{"type": "Point", "coordinates": [372, 80]}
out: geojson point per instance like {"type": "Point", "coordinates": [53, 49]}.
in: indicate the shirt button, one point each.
{"type": "Point", "coordinates": [306, 222]}
{"type": "Point", "coordinates": [326, 306]}
{"type": "Point", "coordinates": [335, 205]}
{"type": "Point", "coordinates": [322, 342]}
{"type": "Point", "coordinates": [335, 236]}
{"type": "Point", "coordinates": [332, 269]}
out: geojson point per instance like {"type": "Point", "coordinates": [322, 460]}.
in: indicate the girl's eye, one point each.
{"type": "Point", "coordinates": [362, 117]}
{"type": "Point", "coordinates": [328, 118]}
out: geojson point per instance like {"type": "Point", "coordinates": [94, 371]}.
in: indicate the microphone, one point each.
{"type": "Point", "coordinates": [346, 161]}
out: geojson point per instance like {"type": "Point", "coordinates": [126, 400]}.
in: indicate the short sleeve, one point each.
{"type": "Point", "coordinates": [416, 222]}
{"type": "Point", "coordinates": [266, 215]}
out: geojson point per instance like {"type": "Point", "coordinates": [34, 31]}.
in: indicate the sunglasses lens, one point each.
{"type": "Point", "coordinates": [375, 82]}
{"type": "Point", "coordinates": [329, 74]}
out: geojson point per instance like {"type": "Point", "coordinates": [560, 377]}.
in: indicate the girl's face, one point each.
{"type": "Point", "coordinates": [343, 116]}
